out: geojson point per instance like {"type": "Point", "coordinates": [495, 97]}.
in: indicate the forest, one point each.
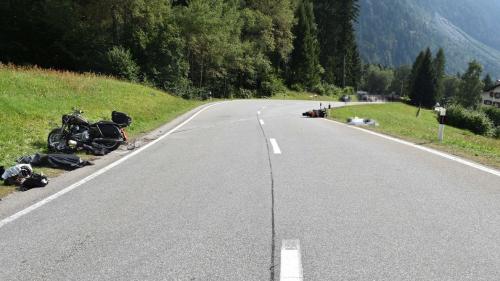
{"type": "Point", "coordinates": [192, 48]}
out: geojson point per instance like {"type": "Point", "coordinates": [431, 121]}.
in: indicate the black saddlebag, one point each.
{"type": "Point", "coordinates": [120, 118]}
{"type": "Point", "coordinates": [109, 130]}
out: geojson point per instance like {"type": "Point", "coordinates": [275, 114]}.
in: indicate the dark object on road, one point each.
{"type": "Point", "coordinates": [345, 98]}
{"type": "Point", "coordinates": [56, 160]}
{"type": "Point", "coordinates": [319, 113]}
{"type": "Point", "coordinates": [77, 133]}
{"type": "Point", "coordinates": [34, 181]}
{"type": "Point", "coordinates": [17, 174]}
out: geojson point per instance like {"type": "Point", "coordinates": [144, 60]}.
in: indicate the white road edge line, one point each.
{"type": "Point", "coordinates": [97, 173]}
{"type": "Point", "coordinates": [276, 148]}
{"type": "Point", "coordinates": [430, 150]}
{"type": "Point", "coordinates": [261, 121]}
{"type": "Point", "coordinates": [291, 261]}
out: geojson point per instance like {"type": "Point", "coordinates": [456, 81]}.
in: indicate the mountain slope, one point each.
{"type": "Point", "coordinates": [478, 18]}
{"type": "Point", "coordinates": [392, 32]}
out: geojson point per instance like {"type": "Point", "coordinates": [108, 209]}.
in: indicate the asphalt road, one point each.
{"type": "Point", "coordinates": [212, 201]}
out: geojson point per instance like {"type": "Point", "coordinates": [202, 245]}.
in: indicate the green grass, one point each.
{"type": "Point", "coordinates": [33, 100]}
{"type": "Point", "coordinates": [399, 120]}
{"type": "Point", "coordinates": [293, 95]}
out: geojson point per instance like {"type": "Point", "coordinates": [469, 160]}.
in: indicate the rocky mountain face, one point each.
{"type": "Point", "coordinates": [392, 32]}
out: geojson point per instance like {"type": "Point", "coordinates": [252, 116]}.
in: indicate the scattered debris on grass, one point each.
{"type": "Point", "coordinates": [356, 121]}
{"type": "Point", "coordinates": [22, 175]}
{"type": "Point", "coordinates": [75, 133]}
{"type": "Point", "coordinates": [56, 160]}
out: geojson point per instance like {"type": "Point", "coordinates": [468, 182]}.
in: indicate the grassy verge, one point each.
{"type": "Point", "coordinates": [292, 95]}
{"type": "Point", "coordinates": [399, 120]}
{"type": "Point", "coordinates": [33, 100]}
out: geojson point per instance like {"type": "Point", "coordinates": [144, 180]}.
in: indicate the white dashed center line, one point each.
{"type": "Point", "coordinates": [276, 148]}
{"type": "Point", "coordinates": [291, 261]}
{"type": "Point", "coordinates": [258, 112]}
{"type": "Point", "coordinates": [261, 122]}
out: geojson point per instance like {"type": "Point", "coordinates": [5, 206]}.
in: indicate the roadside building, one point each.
{"type": "Point", "coordinates": [492, 96]}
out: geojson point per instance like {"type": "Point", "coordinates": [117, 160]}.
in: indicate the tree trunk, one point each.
{"type": "Point", "coordinates": [201, 71]}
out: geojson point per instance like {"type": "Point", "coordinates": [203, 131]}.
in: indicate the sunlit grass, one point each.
{"type": "Point", "coordinates": [32, 101]}
{"type": "Point", "coordinates": [400, 120]}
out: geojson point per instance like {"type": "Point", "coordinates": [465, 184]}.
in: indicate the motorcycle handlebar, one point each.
{"type": "Point", "coordinates": [78, 111]}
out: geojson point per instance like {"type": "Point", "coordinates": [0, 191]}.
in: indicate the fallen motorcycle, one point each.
{"type": "Point", "coordinates": [77, 133]}
{"type": "Point", "coordinates": [321, 113]}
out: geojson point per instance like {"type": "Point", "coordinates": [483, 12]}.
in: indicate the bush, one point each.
{"type": "Point", "coordinates": [121, 64]}
{"type": "Point", "coordinates": [493, 113]}
{"type": "Point", "coordinates": [332, 90]}
{"type": "Point", "coordinates": [271, 87]}
{"type": "Point", "coordinates": [325, 89]}
{"type": "Point", "coordinates": [475, 121]}
{"type": "Point", "coordinates": [348, 91]}
{"type": "Point", "coordinates": [297, 88]}
{"type": "Point", "coordinates": [244, 93]}
{"type": "Point", "coordinates": [318, 89]}
{"type": "Point", "coordinates": [186, 90]}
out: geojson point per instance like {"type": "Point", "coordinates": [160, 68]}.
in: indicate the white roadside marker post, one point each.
{"type": "Point", "coordinates": [442, 116]}
{"type": "Point", "coordinates": [441, 132]}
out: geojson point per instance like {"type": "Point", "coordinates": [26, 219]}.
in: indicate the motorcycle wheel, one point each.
{"type": "Point", "coordinates": [56, 141]}
{"type": "Point", "coordinates": [109, 146]}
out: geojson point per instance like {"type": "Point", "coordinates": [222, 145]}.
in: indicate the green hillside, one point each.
{"type": "Point", "coordinates": [33, 100]}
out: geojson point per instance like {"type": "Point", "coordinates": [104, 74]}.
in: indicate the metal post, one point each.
{"type": "Point", "coordinates": [441, 115]}
{"type": "Point", "coordinates": [441, 132]}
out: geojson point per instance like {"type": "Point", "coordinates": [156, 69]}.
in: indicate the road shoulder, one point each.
{"type": "Point", "coordinates": [18, 201]}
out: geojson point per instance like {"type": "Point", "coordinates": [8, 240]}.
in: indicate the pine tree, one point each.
{"type": "Point", "coordinates": [488, 82]}
{"type": "Point", "coordinates": [412, 85]}
{"type": "Point", "coordinates": [348, 13]}
{"type": "Point", "coordinates": [339, 52]}
{"type": "Point", "coordinates": [304, 65]}
{"type": "Point", "coordinates": [439, 71]}
{"type": "Point", "coordinates": [424, 86]}
{"type": "Point", "coordinates": [328, 30]}
{"type": "Point", "coordinates": [352, 66]}
{"type": "Point", "coordinates": [471, 86]}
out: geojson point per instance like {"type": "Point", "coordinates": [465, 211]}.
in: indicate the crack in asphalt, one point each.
{"type": "Point", "coordinates": [273, 231]}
